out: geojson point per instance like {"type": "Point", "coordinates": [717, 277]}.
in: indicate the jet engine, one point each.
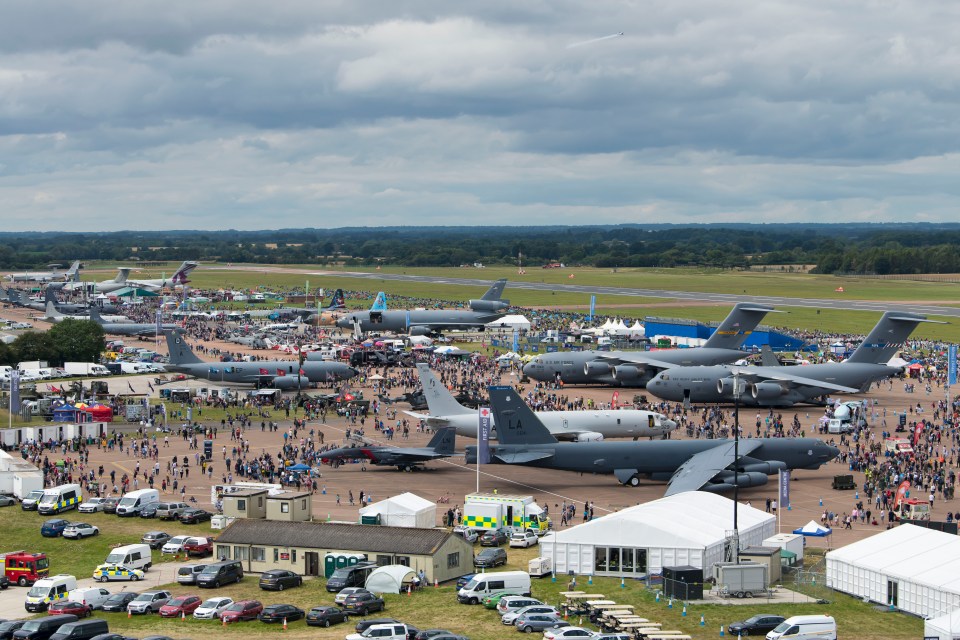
{"type": "Point", "coordinates": [421, 331]}
{"type": "Point", "coordinates": [749, 479]}
{"type": "Point", "coordinates": [596, 368]}
{"type": "Point", "coordinates": [725, 386]}
{"type": "Point", "coordinates": [626, 372]}
{"type": "Point", "coordinates": [489, 305]}
{"type": "Point", "coordinates": [766, 391]}
{"type": "Point", "coordinates": [589, 436]}
{"type": "Point", "coordinates": [289, 383]}
{"type": "Point", "coordinates": [765, 467]}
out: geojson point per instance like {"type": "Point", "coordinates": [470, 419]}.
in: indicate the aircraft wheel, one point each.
{"type": "Point", "coordinates": [363, 467]}
{"type": "Point", "coordinates": [634, 480]}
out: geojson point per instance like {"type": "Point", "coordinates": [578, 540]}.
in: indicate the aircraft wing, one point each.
{"type": "Point", "coordinates": [433, 421]}
{"type": "Point", "coordinates": [522, 457]}
{"type": "Point", "coordinates": [700, 468]}
{"type": "Point", "coordinates": [794, 380]}
{"type": "Point", "coordinates": [638, 359]}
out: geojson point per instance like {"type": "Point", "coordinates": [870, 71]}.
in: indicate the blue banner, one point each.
{"type": "Point", "coordinates": [593, 306]}
{"type": "Point", "coordinates": [14, 391]}
{"type": "Point", "coordinates": [516, 340]}
{"type": "Point", "coordinates": [952, 365]}
{"type": "Point", "coordinates": [483, 439]}
{"type": "Point", "coordinates": [784, 489]}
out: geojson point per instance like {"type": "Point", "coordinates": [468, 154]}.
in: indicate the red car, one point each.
{"type": "Point", "coordinates": [76, 608]}
{"type": "Point", "coordinates": [198, 546]}
{"type": "Point", "coordinates": [243, 610]}
{"type": "Point", "coordinates": [180, 606]}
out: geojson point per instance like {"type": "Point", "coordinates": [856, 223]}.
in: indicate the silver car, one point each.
{"type": "Point", "coordinates": [91, 505]}
{"type": "Point", "coordinates": [149, 602]}
{"type": "Point", "coordinates": [539, 622]}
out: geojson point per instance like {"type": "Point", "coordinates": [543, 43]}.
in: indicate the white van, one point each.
{"type": "Point", "coordinates": [132, 556]}
{"type": "Point", "coordinates": [57, 499]}
{"type": "Point", "coordinates": [805, 628]}
{"type": "Point", "coordinates": [93, 597]}
{"type": "Point", "coordinates": [48, 590]}
{"type": "Point", "coordinates": [131, 503]}
{"type": "Point", "coordinates": [493, 583]}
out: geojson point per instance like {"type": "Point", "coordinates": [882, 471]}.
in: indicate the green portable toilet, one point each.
{"type": "Point", "coordinates": [354, 559]}
{"type": "Point", "coordinates": [329, 565]}
{"type": "Point", "coordinates": [374, 519]}
{"type": "Point", "coordinates": [342, 561]}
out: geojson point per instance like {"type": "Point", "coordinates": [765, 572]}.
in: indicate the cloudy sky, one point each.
{"type": "Point", "coordinates": [322, 113]}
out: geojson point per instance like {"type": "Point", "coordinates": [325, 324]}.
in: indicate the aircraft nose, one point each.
{"type": "Point", "coordinates": [528, 368]}
{"type": "Point", "coordinates": [668, 425]}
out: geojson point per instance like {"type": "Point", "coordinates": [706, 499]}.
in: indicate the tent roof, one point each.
{"type": "Point", "coordinates": [693, 519]}
{"type": "Point", "coordinates": [408, 502]}
{"type": "Point", "coordinates": [946, 625]}
{"type": "Point", "coordinates": [813, 529]}
{"type": "Point", "coordinates": [134, 292]}
{"type": "Point", "coordinates": [908, 552]}
{"type": "Point", "coordinates": [387, 579]}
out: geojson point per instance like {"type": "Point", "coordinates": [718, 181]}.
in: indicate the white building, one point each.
{"type": "Point", "coordinates": [913, 568]}
{"type": "Point", "coordinates": [692, 528]}
{"type": "Point", "coordinates": [404, 510]}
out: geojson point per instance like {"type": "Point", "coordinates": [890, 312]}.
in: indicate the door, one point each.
{"type": "Point", "coordinates": [312, 561]}
{"type": "Point", "coordinates": [893, 587]}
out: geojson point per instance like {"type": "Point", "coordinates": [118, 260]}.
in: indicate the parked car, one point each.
{"type": "Point", "coordinates": [363, 603]}
{"type": "Point", "coordinates": [241, 611]}
{"type": "Point", "coordinates": [523, 539]}
{"type": "Point", "coordinates": [188, 573]}
{"type": "Point", "coordinates": [4, 582]}
{"type": "Point", "coordinates": [198, 546]}
{"type": "Point", "coordinates": [757, 625]}
{"type": "Point", "coordinates": [77, 530]}
{"type": "Point", "coordinates": [569, 633]}
{"type": "Point", "coordinates": [195, 516]}
{"type": "Point", "coordinates": [467, 533]}
{"type": "Point", "coordinates": [118, 602]}
{"type": "Point", "coordinates": [539, 622]}
{"type": "Point", "coordinates": [109, 572]}
{"type": "Point", "coordinates": [91, 505]}
{"type": "Point", "coordinates": [180, 606]}
{"type": "Point", "coordinates": [490, 558]}
{"type": "Point", "coordinates": [280, 613]}
{"type": "Point", "coordinates": [7, 627]}
{"type": "Point", "coordinates": [156, 539]}
{"type": "Point", "coordinates": [110, 504]}
{"type": "Point", "coordinates": [494, 537]}
{"type": "Point", "coordinates": [148, 511]}
{"type": "Point", "coordinates": [211, 608]}
{"type": "Point", "coordinates": [363, 625]}
{"type": "Point", "coordinates": [149, 602]}
{"type": "Point", "coordinates": [343, 594]}
{"type": "Point", "coordinates": [7, 500]}
{"type": "Point", "coordinates": [69, 606]}
{"type": "Point", "coordinates": [535, 609]}
{"type": "Point", "coordinates": [511, 603]}
{"type": "Point", "coordinates": [324, 616]}
{"type": "Point", "coordinates": [53, 528]}
{"type": "Point", "coordinates": [279, 579]}
{"type": "Point", "coordinates": [29, 502]}
{"type": "Point", "coordinates": [171, 510]}
{"type": "Point", "coordinates": [174, 544]}
{"type": "Point", "coordinates": [463, 580]}
{"type": "Point", "coordinates": [427, 634]}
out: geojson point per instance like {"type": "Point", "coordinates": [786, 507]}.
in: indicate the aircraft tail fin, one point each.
{"type": "Point", "coordinates": [495, 292]}
{"type": "Point", "coordinates": [887, 337]}
{"type": "Point", "coordinates": [443, 441]}
{"type": "Point", "coordinates": [51, 311]}
{"type": "Point", "coordinates": [95, 314]}
{"type": "Point", "coordinates": [738, 325]}
{"type": "Point", "coordinates": [122, 274]}
{"type": "Point", "coordinates": [440, 401]}
{"type": "Point", "coordinates": [180, 351]}
{"type": "Point", "coordinates": [73, 273]}
{"type": "Point", "coordinates": [516, 422]}
{"type": "Point", "coordinates": [492, 300]}
{"type": "Point", "coordinates": [380, 302]}
{"type": "Point", "coordinates": [180, 275]}
{"type": "Point", "coordinates": [768, 358]}
{"type": "Point", "coordinates": [337, 301]}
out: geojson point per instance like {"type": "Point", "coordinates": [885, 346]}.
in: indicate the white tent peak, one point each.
{"type": "Point", "coordinates": [388, 579]}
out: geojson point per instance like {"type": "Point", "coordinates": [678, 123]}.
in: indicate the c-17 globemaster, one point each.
{"type": "Point", "coordinates": [687, 465]}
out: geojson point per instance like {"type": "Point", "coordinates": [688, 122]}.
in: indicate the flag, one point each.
{"type": "Point", "coordinates": [263, 371]}
{"type": "Point", "coordinates": [593, 307]}
{"type": "Point", "coordinates": [916, 432]}
{"type": "Point", "coordinates": [14, 390]}
{"type": "Point", "coordinates": [784, 489]}
{"type": "Point", "coordinates": [483, 439]}
{"type": "Point", "coordinates": [901, 493]}
{"type": "Point", "coordinates": [952, 365]}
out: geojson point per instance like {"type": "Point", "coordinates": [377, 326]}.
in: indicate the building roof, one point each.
{"type": "Point", "coordinates": [333, 536]}
{"type": "Point", "coordinates": [289, 495]}
{"type": "Point", "coordinates": [244, 493]}
{"type": "Point", "coordinates": [760, 551]}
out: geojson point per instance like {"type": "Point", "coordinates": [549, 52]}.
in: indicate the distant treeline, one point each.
{"type": "Point", "coordinates": [841, 248]}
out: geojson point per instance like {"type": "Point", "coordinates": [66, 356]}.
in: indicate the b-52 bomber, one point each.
{"type": "Point", "coordinates": [441, 445]}
{"type": "Point", "coordinates": [636, 368]}
{"type": "Point", "coordinates": [687, 465]}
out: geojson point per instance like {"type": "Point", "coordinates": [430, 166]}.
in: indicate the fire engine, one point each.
{"type": "Point", "coordinates": [25, 568]}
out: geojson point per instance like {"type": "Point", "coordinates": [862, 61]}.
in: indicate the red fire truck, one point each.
{"type": "Point", "coordinates": [25, 568]}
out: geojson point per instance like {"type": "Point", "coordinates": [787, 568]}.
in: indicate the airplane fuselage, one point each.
{"type": "Point", "coordinates": [418, 322]}
{"type": "Point", "coordinates": [279, 371]}
{"type": "Point", "coordinates": [588, 425]}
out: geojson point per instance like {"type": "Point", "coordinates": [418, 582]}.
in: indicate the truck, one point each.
{"type": "Point", "coordinates": [25, 568]}
{"type": "Point", "coordinates": [898, 445]}
{"type": "Point", "coordinates": [484, 511]}
{"type": "Point", "coordinates": [85, 369]}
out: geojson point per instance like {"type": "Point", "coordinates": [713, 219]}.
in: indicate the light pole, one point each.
{"type": "Point", "coordinates": [736, 464]}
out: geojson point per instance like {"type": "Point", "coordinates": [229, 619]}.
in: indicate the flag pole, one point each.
{"type": "Point", "coordinates": [779, 499]}
{"type": "Point", "coordinates": [478, 449]}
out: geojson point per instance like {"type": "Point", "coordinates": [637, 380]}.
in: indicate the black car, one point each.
{"type": "Point", "coordinates": [490, 558]}
{"type": "Point", "coordinates": [195, 516]}
{"type": "Point", "coordinates": [4, 583]}
{"type": "Point", "coordinates": [156, 539]}
{"type": "Point", "coordinates": [324, 616]}
{"type": "Point", "coordinates": [110, 505]}
{"type": "Point", "coordinates": [363, 603]}
{"type": "Point", "coordinates": [111, 636]}
{"type": "Point", "coordinates": [119, 601]}
{"type": "Point", "coordinates": [426, 634]}
{"type": "Point", "coordinates": [149, 511]}
{"type": "Point", "coordinates": [8, 627]}
{"type": "Point", "coordinates": [758, 625]}
{"type": "Point", "coordinates": [279, 579]}
{"type": "Point", "coordinates": [494, 537]}
{"type": "Point", "coordinates": [280, 612]}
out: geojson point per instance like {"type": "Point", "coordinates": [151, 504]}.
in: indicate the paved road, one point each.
{"type": "Point", "coordinates": [724, 298]}
{"type": "Point", "coordinates": [11, 600]}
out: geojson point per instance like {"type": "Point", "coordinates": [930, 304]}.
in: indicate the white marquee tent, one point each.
{"type": "Point", "coordinates": [684, 529]}
{"type": "Point", "coordinates": [510, 322]}
{"type": "Point", "coordinates": [404, 510]}
{"type": "Point", "coordinates": [388, 579]}
{"type": "Point", "coordinates": [914, 568]}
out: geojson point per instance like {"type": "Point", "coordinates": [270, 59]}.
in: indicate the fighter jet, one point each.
{"type": "Point", "coordinates": [773, 386]}
{"type": "Point", "coordinates": [430, 322]}
{"type": "Point", "coordinates": [47, 276]}
{"type": "Point", "coordinates": [636, 368]}
{"type": "Point", "coordinates": [687, 465]}
{"type": "Point", "coordinates": [579, 426]}
{"type": "Point", "coordinates": [278, 374]}
{"type": "Point", "coordinates": [404, 458]}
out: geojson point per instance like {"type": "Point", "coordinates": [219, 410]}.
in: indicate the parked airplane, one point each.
{"type": "Point", "coordinates": [179, 277]}
{"type": "Point", "coordinates": [307, 314]}
{"type": "Point", "coordinates": [579, 426]}
{"type": "Point", "coordinates": [430, 322]}
{"type": "Point", "coordinates": [47, 276]}
{"type": "Point", "coordinates": [19, 298]}
{"type": "Point", "coordinates": [441, 445]}
{"type": "Point", "coordinates": [119, 281]}
{"type": "Point", "coordinates": [774, 386]}
{"type": "Point", "coordinates": [687, 465]}
{"type": "Point", "coordinates": [52, 315]}
{"type": "Point", "coordinates": [636, 368]}
{"type": "Point", "coordinates": [279, 374]}
{"type": "Point", "coordinates": [129, 328]}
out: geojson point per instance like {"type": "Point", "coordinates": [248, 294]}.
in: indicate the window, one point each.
{"type": "Point", "coordinates": [384, 560]}
{"type": "Point", "coordinates": [627, 566]}
{"type": "Point", "coordinates": [600, 559]}
{"type": "Point", "coordinates": [303, 504]}
{"type": "Point", "coordinates": [257, 554]}
{"type": "Point", "coordinates": [284, 507]}
{"type": "Point", "coordinates": [293, 556]}
{"type": "Point", "coordinates": [260, 501]}
{"type": "Point", "coordinates": [496, 584]}
{"type": "Point", "coordinates": [240, 553]}
{"type": "Point", "coordinates": [241, 505]}
{"type": "Point", "coordinates": [223, 551]}
{"type": "Point", "coordinates": [276, 554]}
{"type": "Point", "coordinates": [404, 560]}
{"type": "Point", "coordinates": [453, 560]}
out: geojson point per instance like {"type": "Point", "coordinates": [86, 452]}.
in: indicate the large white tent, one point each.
{"type": "Point", "coordinates": [943, 628]}
{"type": "Point", "coordinates": [914, 568]}
{"type": "Point", "coordinates": [404, 510]}
{"type": "Point", "coordinates": [510, 322]}
{"type": "Point", "coordinates": [689, 528]}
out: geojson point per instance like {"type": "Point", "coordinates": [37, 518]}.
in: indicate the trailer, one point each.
{"type": "Point", "coordinates": [484, 511]}
{"type": "Point", "coordinates": [743, 580]}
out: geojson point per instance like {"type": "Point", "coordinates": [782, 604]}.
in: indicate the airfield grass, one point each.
{"type": "Point", "coordinates": [431, 608]}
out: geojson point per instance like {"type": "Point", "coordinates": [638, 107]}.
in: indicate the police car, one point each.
{"type": "Point", "coordinates": [106, 572]}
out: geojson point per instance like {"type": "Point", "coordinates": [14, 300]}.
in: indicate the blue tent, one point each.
{"type": "Point", "coordinates": [298, 467]}
{"type": "Point", "coordinates": [814, 530]}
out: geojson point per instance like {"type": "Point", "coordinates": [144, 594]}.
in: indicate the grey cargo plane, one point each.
{"type": "Point", "coordinates": [279, 374]}
{"type": "Point", "coordinates": [774, 386]}
{"type": "Point", "coordinates": [430, 322]}
{"type": "Point", "coordinates": [636, 368]}
{"type": "Point", "coordinates": [687, 465]}
{"type": "Point", "coordinates": [129, 328]}
{"type": "Point", "coordinates": [441, 445]}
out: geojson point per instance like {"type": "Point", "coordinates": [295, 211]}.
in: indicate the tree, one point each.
{"type": "Point", "coordinates": [35, 345]}
{"type": "Point", "coordinates": [77, 340]}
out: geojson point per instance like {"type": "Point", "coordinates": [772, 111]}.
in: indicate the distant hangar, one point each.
{"type": "Point", "coordinates": [692, 334]}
